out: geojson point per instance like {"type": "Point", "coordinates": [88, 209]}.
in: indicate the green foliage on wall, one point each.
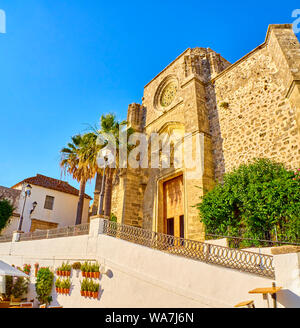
{"type": "Point", "coordinates": [6, 212]}
{"type": "Point", "coordinates": [255, 201]}
{"type": "Point", "coordinates": [43, 286]}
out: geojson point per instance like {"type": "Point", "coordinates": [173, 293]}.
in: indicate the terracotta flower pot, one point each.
{"type": "Point", "coordinates": [66, 291]}
{"type": "Point", "coordinates": [90, 294]}
{"type": "Point", "coordinates": [85, 292]}
{"type": "Point", "coordinates": [82, 292]}
{"type": "Point", "coordinates": [95, 294]}
{"type": "Point", "coordinates": [83, 273]}
{"type": "Point", "coordinates": [56, 290]}
{"type": "Point", "coordinates": [97, 275]}
{"type": "Point", "coordinates": [57, 272]}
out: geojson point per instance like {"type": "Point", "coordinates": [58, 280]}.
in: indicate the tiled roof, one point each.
{"type": "Point", "coordinates": [50, 183]}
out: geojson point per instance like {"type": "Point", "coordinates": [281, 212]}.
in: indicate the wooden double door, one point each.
{"type": "Point", "coordinates": [174, 207]}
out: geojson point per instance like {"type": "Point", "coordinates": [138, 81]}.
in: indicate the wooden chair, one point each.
{"type": "Point", "coordinates": [27, 305]}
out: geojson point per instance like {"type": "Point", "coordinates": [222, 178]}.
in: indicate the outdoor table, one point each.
{"type": "Point", "coordinates": [249, 304]}
{"type": "Point", "coordinates": [268, 290]}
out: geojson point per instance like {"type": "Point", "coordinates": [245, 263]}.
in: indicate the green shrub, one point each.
{"type": "Point", "coordinates": [8, 286]}
{"type": "Point", "coordinates": [20, 287]}
{"type": "Point", "coordinates": [43, 286]}
{"type": "Point", "coordinates": [6, 212]}
{"type": "Point", "coordinates": [16, 288]}
{"type": "Point", "coordinates": [254, 201]}
{"type": "Point", "coordinates": [113, 218]}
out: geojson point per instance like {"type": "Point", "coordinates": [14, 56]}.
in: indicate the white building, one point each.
{"type": "Point", "coordinates": [56, 204]}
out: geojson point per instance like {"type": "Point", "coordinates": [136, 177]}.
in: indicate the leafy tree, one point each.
{"type": "Point", "coordinates": [6, 212]}
{"type": "Point", "coordinates": [109, 133]}
{"type": "Point", "coordinates": [43, 285]}
{"type": "Point", "coordinates": [79, 159]}
{"type": "Point", "coordinates": [254, 201]}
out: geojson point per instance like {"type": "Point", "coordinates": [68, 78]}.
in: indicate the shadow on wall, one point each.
{"type": "Point", "coordinates": [109, 274]}
{"type": "Point", "coordinates": [288, 299]}
{"type": "Point", "coordinates": [215, 130]}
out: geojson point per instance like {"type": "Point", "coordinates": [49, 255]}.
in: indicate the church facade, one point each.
{"type": "Point", "coordinates": [245, 110]}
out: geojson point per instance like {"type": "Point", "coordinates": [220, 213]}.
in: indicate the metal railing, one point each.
{"type": "Point", "coordinates": [242, 242]}
{"type": "Point", "coordinates": [82, 229]}
{"type": "Point", "coordinates": [6, 238]}
{"type": "Point", "coordinates": [259, 264]}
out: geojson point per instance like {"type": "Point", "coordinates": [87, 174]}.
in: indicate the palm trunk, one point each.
{"type": "Point", "coordinates": [80, 202]}
{"type": "Point", "coordinates": [108, 194]}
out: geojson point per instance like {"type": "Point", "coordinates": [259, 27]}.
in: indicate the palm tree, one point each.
{"type": "Point", "coordinates": [79, 159]}
{"type": "Point", "coordinates": [110, 133]}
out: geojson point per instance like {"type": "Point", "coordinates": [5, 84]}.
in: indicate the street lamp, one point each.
{"type": "Point", "coordinates": [103, 162]}
{"type": "Point", "coordinates": [27, 194]}
{"type": "Point", "coordinates": [34, 205]}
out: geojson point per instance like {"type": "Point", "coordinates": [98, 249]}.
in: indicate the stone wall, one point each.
{"type": "Point", "coordinates": [254, 117]}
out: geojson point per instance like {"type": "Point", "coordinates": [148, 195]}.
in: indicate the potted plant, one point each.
{"type": "Point", "coordinates": [96, 270]}
{"type": "Point", "coordinates": [27, 268]}
{"type": "Point", "coordinates": [96, 290]}
{"type": "Point", "coordinates": [84, 287]}
{"type": "Point", "coordinates": [66, 284]}
{"type": "Point", "coordinates": [58, 285]}
{"type": "Point", "coordinates": [63, 269]}
{"type": "Point", "coordinates": [90, 271]}
{"type": "Point", "coordinates": [58, 271]}
{"type": "Point", "coordinates": [76, 266]}
{"type": "Point", "coordinates": [90, 288]}
{"type": "Point", "coordinates": [84, 268]}
{"type": "Point", "coordinates": [36, 267]}
{"type": "Point", "coordinates": [68, 269]}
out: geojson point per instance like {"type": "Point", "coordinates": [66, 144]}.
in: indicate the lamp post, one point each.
{"type": "Point", "coordinates": [27, 194]}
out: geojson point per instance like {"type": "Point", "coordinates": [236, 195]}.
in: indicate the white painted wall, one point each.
{"type": "Point", "coordinates": [141, 276]}
{"type": "Point", "coordinates": [63, 213]}
{"type": "Point", "coordinates": [288, 275]}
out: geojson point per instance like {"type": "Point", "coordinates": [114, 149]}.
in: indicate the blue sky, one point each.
{"type": "Point", "coordinates": [64, 63]}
